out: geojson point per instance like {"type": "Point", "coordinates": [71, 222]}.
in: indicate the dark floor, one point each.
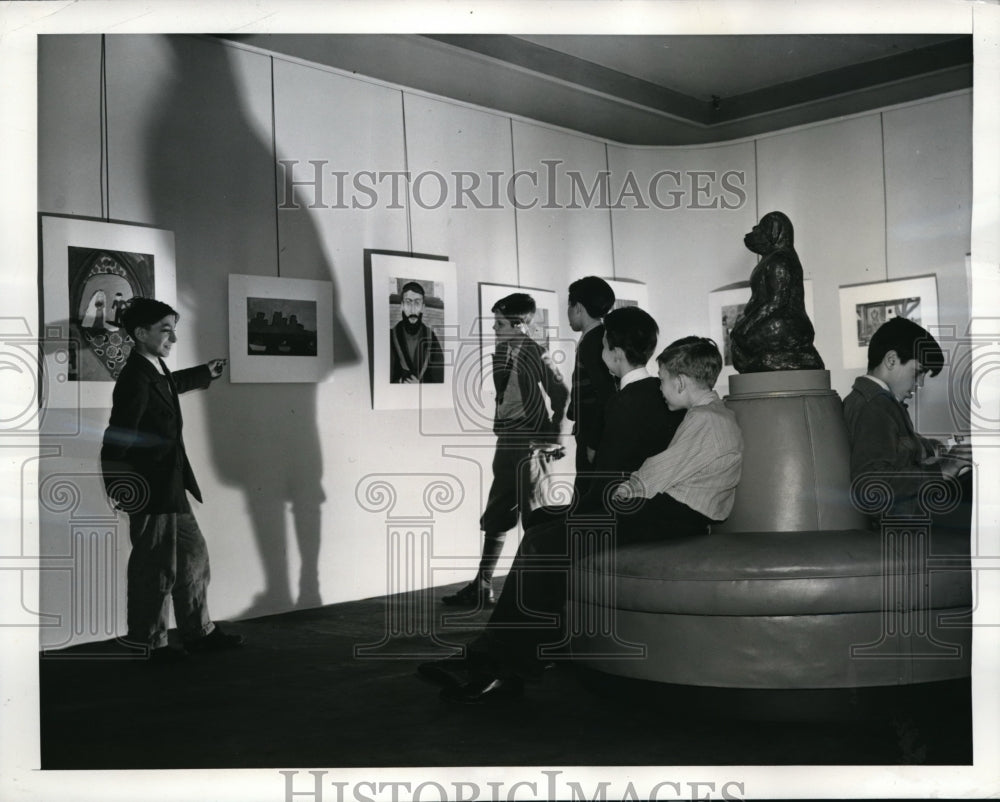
{"type": "Point", "coordinates": [297, 695]}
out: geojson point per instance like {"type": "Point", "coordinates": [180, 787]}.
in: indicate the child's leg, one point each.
{"type": "Point", "coordinates": [659, 518]}
{"type": "Point", "coordinates": [152, 569]}
{"type": "Point", "coordinates": [191, 586]}
{"type": "Point", "coordinates": [502, 503]}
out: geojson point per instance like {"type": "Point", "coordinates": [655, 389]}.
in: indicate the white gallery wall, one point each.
{"type": "Point", "coordinates": [194, 131]}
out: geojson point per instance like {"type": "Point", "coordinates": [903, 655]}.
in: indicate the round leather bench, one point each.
{"type": "Point", "coordinates": [796, 590]}
{"type": "Point", "coordinates": [783, 610]}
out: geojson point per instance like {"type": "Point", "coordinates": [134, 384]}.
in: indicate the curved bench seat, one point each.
{"type": "Point", "coordinates": [784, 573]}
{"type": "Point", "coordinates": [782, 610]}
{"type": "Point", "coordinates": [794, 590]}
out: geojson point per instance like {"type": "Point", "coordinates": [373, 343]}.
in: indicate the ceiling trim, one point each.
{"type": "Point", "coordinates": [593, 100]}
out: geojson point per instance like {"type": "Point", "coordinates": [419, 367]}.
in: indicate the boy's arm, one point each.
{"type": "Point", "coordinates": [555, 389]}
{"type": "Point", "coordinates": [693, 448]}
{"type": "Point", "coordinates": [123, 435]}
{"type": "Point", "coordinates": [876, 449]}
{"type": "Point", "coordinates": [196, 378]}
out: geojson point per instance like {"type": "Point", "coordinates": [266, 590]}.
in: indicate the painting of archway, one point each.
{"type": "Point", "coordinates": [91, 271]}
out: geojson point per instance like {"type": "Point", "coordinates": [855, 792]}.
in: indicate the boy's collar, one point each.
{"type": "Point", "coordinates": [634, 375]}
{"type": "Point", "coordinates": [708, 398]}
{"type": "Point", "coordinates": [879, 382]}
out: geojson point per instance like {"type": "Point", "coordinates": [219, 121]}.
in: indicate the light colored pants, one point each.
{"type": "Point", "coordinates": [169, 559]}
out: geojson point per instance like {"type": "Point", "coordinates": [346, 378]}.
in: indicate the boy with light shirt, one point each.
{"type": "Point", "coordinates": [693, 482]}
{"type": "Point", "coordinates": [147, 474]}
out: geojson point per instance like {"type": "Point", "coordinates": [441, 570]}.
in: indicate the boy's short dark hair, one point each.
{"type": "Point", "coordinates": [518, 307]}
{"type": "Point", "coordinates": [697, 358]}
{"type": "Point", "coordinates": [144, 312]}
{"type": "Point", "coordinates": [634, 331]}
{"type": "Point", "coordinates": [908, 340]}
{"type": "Point", "coordinates": [412, 286]}
{"type": "Point", "coordinates": [594, 293]}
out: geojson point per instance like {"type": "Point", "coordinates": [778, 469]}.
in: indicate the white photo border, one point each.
{"type": "Point", "coordinates": [247, 368]}
{"type": "Point", "coordinates": [58, 234]}
{"type": "Point", "coordinates": [922, 287]}
{"type": "Point", "coordinates": [386, 266]}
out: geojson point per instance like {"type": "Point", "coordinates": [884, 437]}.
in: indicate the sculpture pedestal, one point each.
{"type": "Point", "coordinates": [796, 457]}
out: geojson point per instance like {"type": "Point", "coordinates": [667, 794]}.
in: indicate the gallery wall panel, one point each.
{"type": "Point", "coordinates": [682, 233]}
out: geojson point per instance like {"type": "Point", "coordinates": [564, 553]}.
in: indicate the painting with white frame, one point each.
{"type": "Point", "coordinates": [544, 330]}
{"type": "Point", "coordinates": [293, 342]}
{"type": "Point", "coordinates": [865, 307]}
{"type": "Point", "coordinates": [90, 270]}
{"type": "Point", "coordinates": [388, 273]}
{"type": "Point", "coordinates": [629, 293]}
{"type": "Point", "coordinates": [725, 305]}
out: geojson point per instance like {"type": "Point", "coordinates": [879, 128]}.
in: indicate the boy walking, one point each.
{"type": "Point", "coordinates": [524, 378]}
{"type": "Point", "coordinates": [147, 474]}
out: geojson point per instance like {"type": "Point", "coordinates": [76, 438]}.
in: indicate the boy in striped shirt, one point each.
{"type": "Point", "coordinates": [693, 482]}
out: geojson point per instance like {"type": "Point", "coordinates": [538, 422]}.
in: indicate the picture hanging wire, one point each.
{"type": "Point", "coordinates": [104, 177]}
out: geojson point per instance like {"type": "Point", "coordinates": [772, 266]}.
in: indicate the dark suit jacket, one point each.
{"type": "Point", "coordinates": [883, 442]}
{"type": "Point", "coordinates": [536, 376]}
{"type": "Point", "coordinates": [592, 386]}
{"type": "Point", "coordinates": [143, 439]}
{"type": "Point", "coordinates": [637, 424]}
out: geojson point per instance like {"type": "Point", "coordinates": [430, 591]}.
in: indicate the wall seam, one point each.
{"type": "Point", "coordinates": [885, 196]}
{"type": "Point", "coordinates": [274, 161]}
{"type": "Point", "coordinates": [517, 238]}
{"type": "Point", "coordinates": [406, 173]}
{"type": "Point", "coordinates": [611, 215]}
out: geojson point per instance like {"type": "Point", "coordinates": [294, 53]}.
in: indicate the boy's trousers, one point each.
{"type": "Point", "coordinates": [169, 559]}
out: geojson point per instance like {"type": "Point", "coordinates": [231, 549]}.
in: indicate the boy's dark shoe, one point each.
{"type": "Point", "coordinates": [476, 594]}
{"type": "Point", "coordinates": [485, 689]}
{"type": "Point", "coordinates": [167, 655]}
{"type": "Point", "coordinates": [452, 672]}
{"type": "Point", "coordinates": [215, 641]}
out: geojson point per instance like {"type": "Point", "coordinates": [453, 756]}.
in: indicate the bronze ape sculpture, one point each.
{"type": "Point", "coordinates": [774, 332]}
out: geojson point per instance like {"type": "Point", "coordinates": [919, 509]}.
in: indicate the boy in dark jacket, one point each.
{"type": "Point", "coordinates": [590, 299]}
{"type": "Point", "coordinates": [147, 474]}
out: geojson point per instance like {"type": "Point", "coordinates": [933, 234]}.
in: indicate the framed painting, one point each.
{"type": "Point", "coordinates": [629, 293]}
{"type": "Point", "coordinates": [725, 305]}
{"type": "Point", "coordinates": [91, 270]}
{"type": "Point", "coordinates": [865, 307]}
{"type": "Point", "coordinates": [413, 314]}
{"type": "Point", "coordinates": [544, 330]}
{"type": "Point", "coordinates": [280, 329]}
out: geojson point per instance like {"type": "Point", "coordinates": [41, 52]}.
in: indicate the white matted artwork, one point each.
{"type": "Point", "coordinates": [629, 293]}
{"type": "Point", "coordinates": [544, 330]}
{"type": "Point", "coordinates": [91, 270]}
{"type": "Point", "coordinates": [865, 307]}
{"type": "Point", "coordinates": [725, 305]}
{"type": "Point", "coordinates": [280, 329]}
{"type": "Point", "coordinates": [414, 306]}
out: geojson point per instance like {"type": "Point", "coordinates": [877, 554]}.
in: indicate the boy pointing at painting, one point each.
{"type": "Point", "coordinates": [147, 474]}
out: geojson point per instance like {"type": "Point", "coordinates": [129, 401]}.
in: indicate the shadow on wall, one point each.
{"type": "Point", "coordinates": [210, 178]}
